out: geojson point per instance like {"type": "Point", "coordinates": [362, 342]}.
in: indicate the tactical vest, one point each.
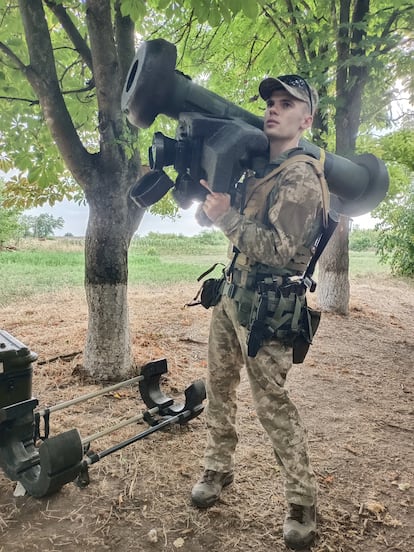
{"type": "Point", "coordinates": [259, 195]}
{"type": "Point", "coordinates": [269, 302]}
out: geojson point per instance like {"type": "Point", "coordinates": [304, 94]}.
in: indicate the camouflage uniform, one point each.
{"type": "Point", "coordinates": [278, 234]}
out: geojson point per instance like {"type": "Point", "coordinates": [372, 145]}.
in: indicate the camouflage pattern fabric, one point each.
{"type": "Point", "coordinates": [279, 223]}
{"type": "Point", "coordinates": [276, 234]}
{"type": "Point", "coordinates": [267, 374]}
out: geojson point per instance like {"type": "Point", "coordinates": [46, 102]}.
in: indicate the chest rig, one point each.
{"type": "Point", "coordinates": [254, 201]}
{"type": "Point", "coordinates": [271, 301]}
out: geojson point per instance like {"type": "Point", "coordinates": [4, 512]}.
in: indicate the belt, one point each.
{"type": "Point", "coordinates": [233, 291]}
{"type": "Point", "coordinates": [248, 279]}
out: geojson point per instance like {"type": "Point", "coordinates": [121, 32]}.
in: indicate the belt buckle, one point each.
{"type": "Point", "coordinates": [231, 290]}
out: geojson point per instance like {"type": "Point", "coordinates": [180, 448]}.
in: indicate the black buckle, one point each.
{"type": "Point", "coordinates": [231, 290]}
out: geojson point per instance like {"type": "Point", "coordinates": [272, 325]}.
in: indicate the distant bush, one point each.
{"type": "Point", "coordinates": [211, 238]}
{"type": "Point", "coordinates": [362, 240]}
{"type": "Point", "coordinates": [152, 252]}
{"type": "Point", "coordinates": [172, 244]}
{"type": "Point", "coordinates": [396, 241]}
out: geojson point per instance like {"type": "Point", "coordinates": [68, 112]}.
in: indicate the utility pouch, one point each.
{"type": "Point", "coordinates": [244, 308]}
{"type": "Point", "coordinates": [302, 342]}
{"type": "Point", "coordinates": [209, 293]}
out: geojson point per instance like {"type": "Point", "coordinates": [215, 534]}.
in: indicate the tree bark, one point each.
{"type": "Point", "coordinates": [107, 354]}
{"type": "Point", "coordinates": [351, 78]}
{"type": "Point", "coordinates": [333, 279]}
{"type": "Point", "coordinates": [111, 225]}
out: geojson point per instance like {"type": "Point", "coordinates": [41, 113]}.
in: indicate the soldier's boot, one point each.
{"type": "Point", "coordinates": [299, 528]}
{"type": "Point", "coordinates": [208, 489]}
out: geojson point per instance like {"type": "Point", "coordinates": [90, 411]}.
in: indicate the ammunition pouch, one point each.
{"type": "Point", "coordinates": [274, 310]}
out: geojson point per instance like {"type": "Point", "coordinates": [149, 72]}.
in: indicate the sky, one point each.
{"type": "Point", "coordinates": [76, 219]}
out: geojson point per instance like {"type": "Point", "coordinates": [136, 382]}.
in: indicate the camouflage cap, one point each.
{"type": "Point", "coordinates": [295, 85]}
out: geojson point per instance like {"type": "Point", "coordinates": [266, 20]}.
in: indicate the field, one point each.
{"type": "Point", "coordinates": [50, 265]}
{"type": "Point", "coordinates": [354, 391]}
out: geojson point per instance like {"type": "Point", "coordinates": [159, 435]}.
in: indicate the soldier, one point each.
{"type": "Point", "coordinates": [273, 227]}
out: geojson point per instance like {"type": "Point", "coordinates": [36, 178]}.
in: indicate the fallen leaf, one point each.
{"type": "Point", "coordinates": [392, 522]}
{"type": "Point", "coordinates": [374, 507]}
{"type": "Point", "coordinates": [404, 486]}
{"type": "Point", "coordinates": [152, 535]}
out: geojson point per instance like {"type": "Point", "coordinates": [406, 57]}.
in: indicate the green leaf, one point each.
{"type": "Point", "coordinates": [235, 5]}
{"type": "Point", "coordinates": [201, 11]}
{"type": "Point", "coordinates": [250, 9]}
{"type": "Point", "coordinates": [214, 17]}
{"type": "Point", "coordinates": [162, 4]}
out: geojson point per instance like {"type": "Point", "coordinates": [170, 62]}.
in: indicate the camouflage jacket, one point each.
{"type": "Point", "coordinates": [280, 221]}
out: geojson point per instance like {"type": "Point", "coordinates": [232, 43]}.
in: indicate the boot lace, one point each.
{"type": "Point", "coordinates": [296, 512]}
{"type": "Point", "coordinates": [208, 476]}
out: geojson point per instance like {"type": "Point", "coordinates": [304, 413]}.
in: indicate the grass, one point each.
{"type": "Point", "coordinates": [46, 266]}
{"type": "Point", "coordinates": [366, 262]}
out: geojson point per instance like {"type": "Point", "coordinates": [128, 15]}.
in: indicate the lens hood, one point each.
{"type": "Point", "coordinates": [150, 188]}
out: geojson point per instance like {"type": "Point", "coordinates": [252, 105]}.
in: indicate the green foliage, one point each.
{"type": "Point", "coordinates": [211, 12]}
{"type": "Point", "coordinates": [396, 229]}
{"type": "Point", "coordinates": [172, 244]}
{"type": "Point", "coordinates": [396, 236]}
{"type": "Point", "coordinates": [10, 229]}
{"type": "Point", "coordinates": [363, 239]}
{"type": "Point", "coordinates": [42, 226]}
{"type": "Point", "coordinates": [39, 172]}
{"type": "Point", "coordinates": [398, 147]}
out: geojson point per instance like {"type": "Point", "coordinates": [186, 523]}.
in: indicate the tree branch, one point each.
{"type": "Point", "coordinates": [278, 29]}
{"type": "Point", "coordinates": [107, 75]}
{"type": "Point", "coordinates": [16, 99]}
{"type": "Point", "coordinates": [67, 24]}
{"type": "Point", "coordinates": [299, 41]}
{"type": "Point", "coordinates": [42, 76]}
{"type": "Point", "coordinates": [18, 64]}
{"type": "Point", "coordinates": [125, 44]}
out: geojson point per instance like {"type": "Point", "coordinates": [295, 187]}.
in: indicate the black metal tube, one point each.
{"type": "Point", "coordinates": [120, 425]}
{"type": "Point", "coordinates": [95, 457]}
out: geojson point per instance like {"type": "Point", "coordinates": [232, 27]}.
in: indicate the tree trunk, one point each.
{"type": "Point", "coordinates": [351, 79]}
{"type": "Point", "coordinates": [333, 276]}
{"type": "Point", "coordinates": [108, 354]}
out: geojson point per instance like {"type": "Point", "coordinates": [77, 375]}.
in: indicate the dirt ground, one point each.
{"type": "Point", "coordinates": [354, 391]}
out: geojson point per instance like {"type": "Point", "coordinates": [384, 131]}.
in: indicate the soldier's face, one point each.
{"type": "Point", "coordinates": [285, 117]}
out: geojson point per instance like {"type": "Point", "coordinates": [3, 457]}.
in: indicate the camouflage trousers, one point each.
{"type": "Point", "coordinates": [267, 372]}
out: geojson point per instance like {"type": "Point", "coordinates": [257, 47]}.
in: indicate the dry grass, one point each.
{"type": "Point", "coordinates": [354, 393]}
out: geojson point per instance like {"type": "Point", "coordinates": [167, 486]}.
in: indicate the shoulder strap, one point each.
{"type": "Point", "coordinates": [320, 246]}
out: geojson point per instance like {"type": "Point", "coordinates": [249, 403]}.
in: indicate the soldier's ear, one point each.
{"type": "Point", "coordinates": [307, 121]}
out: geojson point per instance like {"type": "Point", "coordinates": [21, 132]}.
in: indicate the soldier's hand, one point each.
{"type": "Point", "coordinates": [216, 203]}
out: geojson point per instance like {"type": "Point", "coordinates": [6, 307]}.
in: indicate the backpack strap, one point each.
{"type": "Point", "coordinates": [320, 246]}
